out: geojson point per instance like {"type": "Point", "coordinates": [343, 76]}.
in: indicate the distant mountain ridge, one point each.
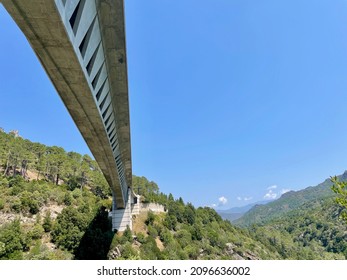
{"type": "Point", "coordinates": [235, 213]}
{"type": "Point", "coordinates": [289, 201]}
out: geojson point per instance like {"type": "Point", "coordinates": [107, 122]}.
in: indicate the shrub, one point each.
{"type": "Point", "coordinates": [16, 204]}
{"type": "Point", "coordinates": [36, 232]}
{"type": "Point", "coordinates": [152, 231]}
{"type": "Point", "coordinates": [128, 235]}
{"type": "Point", "coordinates": [47, 222]}
{"type": "Point", "coordinates": [141, 237]}
{"type": "Point", "coordinates": [12, 236]}
{"type": "Point", "coordinates": [150, 218]}
{"type": "Point", "coordinates": [2, 204]}
{"type": "Point", "coordinates": [166, 236]}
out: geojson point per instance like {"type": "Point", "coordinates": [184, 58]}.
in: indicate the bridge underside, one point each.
{"type": "Point", "coordinates": [81, 45]}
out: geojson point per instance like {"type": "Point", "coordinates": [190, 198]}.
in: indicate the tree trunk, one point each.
{"type": "Point", "coordinates": [46, 171]}
{"type": "Point", "coordinates": [15, 167]}
{"type": "Point", "coordinates": [22, 168]}
{"type": "Point", "coordinates": [26, 169]}
{"type": "Point", "coordinates": [7, 163]}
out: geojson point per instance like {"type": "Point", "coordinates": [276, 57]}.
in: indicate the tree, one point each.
{"type": "Point", "coordinates": [12, 241]}
{"type": "Point", "coordinates": [47, 222]}
{"type": "Point", "coordinates": [340, 188]}
{"type": "Point", "coordinates": [170, 221]}
{"type": "Point", "coordinates": [128, 235]}
{"type": "Point", "coordinates": [150, 218]}
{"type": "Point", "coordinates": [69, 228]}
{"type": "Point", "coordinates": [56, 157]}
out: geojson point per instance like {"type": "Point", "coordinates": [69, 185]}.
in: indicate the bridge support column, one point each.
{"type": "Point", "coordinates": [121, 218]}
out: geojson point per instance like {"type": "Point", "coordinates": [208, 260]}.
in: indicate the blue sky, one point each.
{"type": "Point", "coordinates": [232, 101]}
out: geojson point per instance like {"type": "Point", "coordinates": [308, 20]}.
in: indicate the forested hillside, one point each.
{"type": "Point", "coordinates": [186, 232]}
{"type": "Point", "coordinates": [312, 231]}
{"type": "Point", "coordinates": [289, 201]}
{"type": "Point", "coordinates": [305, 224]}
{"type": "Point", "coordinates": [54, 205]}
{"type": "Point", "coordinates": [31, 160]}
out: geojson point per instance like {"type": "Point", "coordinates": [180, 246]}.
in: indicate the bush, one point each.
{"type": "Point", "coordinates": [67, 199]}
{"type": "Point", "coordinates": [149, 250]}
{"type": "Point", "coordinates": [12, 236]}
{"type": "Point", "coordinates": [184, 237]}
{"type": "Point", "coordinates": [193, 251]}
{"type": "Point", "coordinates": [2, 204]}
{"type": "Point", "coordinates": [16, 181]}
{"type": "Point", "coordinates": [36, 232]}
{"type": "Point", "coordinates": [128, 235]}
{"type": "Point", "coordinates": [141, 237]}
{"type": "Point", "coordinates": [16, 204]}
{"type": "Point", "coordinates": [2, 249]}
{"type": "Point", "coordinates": [166, 236]}
{"type": "Point", "coordinates": [170, 222]}
{"type": "Point", "coordinates": [47, 222]}
{"type": "Point", "coordinates": [69, 228]}
{"type": "Point", "coordinates": [29, 203]}
{"type": "Point", "coordinates": [127, 252]}
{"type": "Point", "coordinates": [76, 193]}
{"type": "Point", "coordinates": [152, 231]}
{"type": "Point", "coordinates": [150, 218]}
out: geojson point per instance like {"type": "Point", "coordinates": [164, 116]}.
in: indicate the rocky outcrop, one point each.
{"type": "Point", "coordinates": [114, 254]}
{"type": "Point", "coordinates": [230, 250]}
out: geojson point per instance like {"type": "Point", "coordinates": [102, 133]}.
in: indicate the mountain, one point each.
{"type": "Point", "coordinates": [289, 201]}
{"type": "Point", "coordinates": [54, 205]}
{"type": "Point", "coordinates": [235, 213]}
{"type": "Point", "coordinates": [312, 231]}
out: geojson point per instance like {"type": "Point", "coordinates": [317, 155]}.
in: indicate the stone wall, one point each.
{"type": "Point", "coordinates": [154, 207]}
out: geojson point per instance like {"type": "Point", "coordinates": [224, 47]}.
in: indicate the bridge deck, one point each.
{"type": "Point", "coordinates": [81, 45]}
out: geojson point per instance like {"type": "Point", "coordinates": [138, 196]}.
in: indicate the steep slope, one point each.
{"type": "Point", "coordinates": [260, 214]}
{"type": "Point", "coordinates": [186, 232]}
{"type": "Point", "coordinates": [64, 214]}
{"type": "Point", "coordinates": [312, 231]}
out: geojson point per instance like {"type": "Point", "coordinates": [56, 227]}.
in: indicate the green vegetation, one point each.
{"type": "Point", "coordinates": [52, 164]}
{"type": "Point", "coordinates": [54, 205]}
{"type": "Point", "coordinates": [186, 232]}
{"type": "Point", "coordinates": [340, 188]}
{"type": "Point", "coordinates": [56, 201]}
{"type": "Point", "coordinates": [292, 200]}
{"type": "Point", "coordinates": [73, 219]}
{"type": "Point", "coordinates": [313, 231]}
{"type": "Point", "coordinates": [305, 224]}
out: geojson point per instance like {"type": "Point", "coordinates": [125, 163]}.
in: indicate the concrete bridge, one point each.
{"type": "Point", "coordinates": [81, 45]}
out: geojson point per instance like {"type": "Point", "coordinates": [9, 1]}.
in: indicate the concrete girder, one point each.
{"type": "Point", "coordinates": [60, 46]}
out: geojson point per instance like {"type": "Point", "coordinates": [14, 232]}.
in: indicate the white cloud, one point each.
{"type": "Point", "coordinates": [273, 193]}
{"type": "Point", "coordinates": [223, 200]}
{"type": "Point", "coordinates": [285, 191]}
{"type": "Point", "coordinates": [270, 195]}
{"type": "Point", "coordinates": [245, 198]}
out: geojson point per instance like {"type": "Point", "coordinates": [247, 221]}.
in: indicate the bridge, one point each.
{"type": "Point", "coordinates": [81, 45]}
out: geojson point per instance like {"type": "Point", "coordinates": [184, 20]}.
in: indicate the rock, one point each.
{"type": "Point", "coordinates": [250, 256]}
{"type": "Point", "coordinates": [229, 249]}
{"type": "Point", "coordinates": [237, 257]}
{"type": "Point", "coordinates": [114, 254]}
